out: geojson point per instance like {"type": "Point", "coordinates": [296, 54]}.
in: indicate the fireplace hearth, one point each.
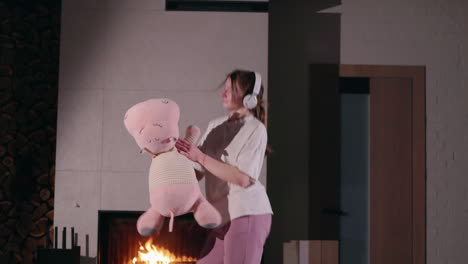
{"type": "Point", "coordinates": [120, 243]}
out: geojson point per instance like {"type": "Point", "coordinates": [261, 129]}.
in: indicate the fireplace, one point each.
{"type": "Point", "coordinates": [120, 243]}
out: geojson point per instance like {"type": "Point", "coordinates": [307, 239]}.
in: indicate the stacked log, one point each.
{"type": "Point", "coordinates": [29, 48]}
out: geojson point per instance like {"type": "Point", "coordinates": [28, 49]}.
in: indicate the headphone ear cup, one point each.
{"type": "Point", "coordinates": [250, 101]}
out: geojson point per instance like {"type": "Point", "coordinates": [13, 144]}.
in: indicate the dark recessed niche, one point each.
{"type": "Point", "coordinates": [217, 6]}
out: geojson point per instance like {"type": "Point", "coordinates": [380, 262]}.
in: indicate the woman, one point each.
{"type": "Point", "coordinates": [231, 155]}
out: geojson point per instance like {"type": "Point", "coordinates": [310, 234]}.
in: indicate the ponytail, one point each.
{"type": "Point", "coordinates": [261, 114]}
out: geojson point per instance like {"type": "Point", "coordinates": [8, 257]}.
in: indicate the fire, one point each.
{"type": "Point", "coordinates": [151, 254]}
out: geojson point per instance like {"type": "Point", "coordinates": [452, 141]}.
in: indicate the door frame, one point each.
{"type": "Point", "coordinates": [417, 75]}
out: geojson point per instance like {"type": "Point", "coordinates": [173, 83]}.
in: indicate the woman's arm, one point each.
{"type": "Point", "coordinates": [225, 171]}
{"type": "Point", "coordinates": [219, 169]}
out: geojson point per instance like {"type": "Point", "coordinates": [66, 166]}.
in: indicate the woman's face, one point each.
{"type": "Point", "coordinates": [231, 102]}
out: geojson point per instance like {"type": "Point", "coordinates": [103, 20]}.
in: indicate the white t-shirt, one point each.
{"type": "Point", "coordinates": [242, 144]}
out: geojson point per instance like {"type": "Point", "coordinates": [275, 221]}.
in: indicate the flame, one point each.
{"type": "Point", "coordinates": [151, 254]}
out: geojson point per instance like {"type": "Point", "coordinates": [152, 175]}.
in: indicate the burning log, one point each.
{"type": "Point", "coordinates": [151, 254]}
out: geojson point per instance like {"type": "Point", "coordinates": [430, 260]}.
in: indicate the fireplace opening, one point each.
{"type": "Point", "coordinates": [120, 243]}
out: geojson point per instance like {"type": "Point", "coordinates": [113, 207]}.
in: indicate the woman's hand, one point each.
{"type": "Point", "coordinates": [190, 151]}
{"type": "Point", "coordinates": [218, 168]}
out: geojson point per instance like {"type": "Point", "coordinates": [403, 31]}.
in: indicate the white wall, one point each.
{"type": "Point", "coordinates": [117, 53]}
{"type": "Point", "coordinates": [433, 33]}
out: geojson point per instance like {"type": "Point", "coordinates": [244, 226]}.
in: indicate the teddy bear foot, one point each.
{"type": "Point", "coordinates": [206, 215]}
{"type": "Point", "coordinates": [150, 222]}
{"type": "Point", "coordinates": [147, 231]}
{"type": "Point", "coordinates": [210, 226]}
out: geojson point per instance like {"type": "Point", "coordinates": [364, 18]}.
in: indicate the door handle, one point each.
{"type": "Point", "coordinates": [332, 211]}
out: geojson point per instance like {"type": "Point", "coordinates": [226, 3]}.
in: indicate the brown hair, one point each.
{"type": "Point", "coordinates": [243, 83]}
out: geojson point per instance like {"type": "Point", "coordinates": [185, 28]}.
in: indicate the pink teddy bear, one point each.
{"type": "Point", "coordinates": [173, 186]}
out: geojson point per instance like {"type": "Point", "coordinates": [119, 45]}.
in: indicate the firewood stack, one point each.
{"type": "Point", "coordinates": [29, 49]}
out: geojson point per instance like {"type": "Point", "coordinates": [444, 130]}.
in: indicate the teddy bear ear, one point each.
{"type": "Point", "coordinates": [130, 122]}
{"type": "Point", "coordinates": [127, 124]}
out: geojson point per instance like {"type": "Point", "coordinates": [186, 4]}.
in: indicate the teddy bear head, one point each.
{"type": "Point", "coordinates": [154, 124]}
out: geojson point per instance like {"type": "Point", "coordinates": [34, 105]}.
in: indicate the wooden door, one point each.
{"type": "Point", "coordinates": [390, 171]}
{"type": "Point", "coordinates": [397, 222]}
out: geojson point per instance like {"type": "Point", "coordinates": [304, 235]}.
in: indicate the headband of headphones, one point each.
{"type": "Point", "coordinates": [258, 83]}
{"type": "Point", "coordinates": [250, 100]}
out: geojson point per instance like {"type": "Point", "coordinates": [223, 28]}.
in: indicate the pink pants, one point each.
{"type": "Point", "coordinates": [238, 242]}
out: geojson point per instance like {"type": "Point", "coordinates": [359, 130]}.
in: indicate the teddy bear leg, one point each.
{"type": "Point", "coordinates": [150, 222]}
{"type": "Point", "coordinates": [206, 215]}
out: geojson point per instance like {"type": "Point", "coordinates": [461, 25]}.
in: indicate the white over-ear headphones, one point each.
{"type": "Point", "coordinates": [250, 100]}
